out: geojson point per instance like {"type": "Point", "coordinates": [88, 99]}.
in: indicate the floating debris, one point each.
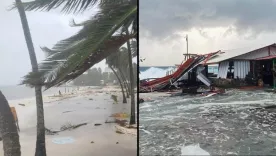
{"type": "Point", "coordinates": [120, 115]}
{"type": "Point", "coordinates": [97, 124]}
{"type": "Point", "coordinates": [114, 98]}
{"type": "Point", "coordinates": [67, 111]}
{"type": "Point", "coordinates": [50, 132]}
{"type": "Point", "coordinates": [69, 126]}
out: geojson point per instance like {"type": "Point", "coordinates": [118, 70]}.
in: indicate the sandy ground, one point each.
{"type": "Point", "coordinates": [85, 106]}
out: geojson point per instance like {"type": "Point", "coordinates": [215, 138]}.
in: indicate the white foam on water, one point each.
{"type": "Point", "coordinates": [192, 106]}
{"type": "Point", "coordinates": [146, 105]}
{"type": "Point", "coordinates": [148, 132]}
{"type": "Point", "coordinates": [265, 125]}
{"type": "Point", "coordinates": [152, 118]}
{"type": "Point", "coordinates": [154, 72]}
{"type": "Point", "coordinates": [243, 115]}
{"type": "Point", "coordinates": [232, 153]}
{"type": "Point", "coordinates": [193, 150]}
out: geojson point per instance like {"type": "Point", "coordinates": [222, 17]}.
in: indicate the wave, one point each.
{"type": "Point", "coordinates": [155, 72]}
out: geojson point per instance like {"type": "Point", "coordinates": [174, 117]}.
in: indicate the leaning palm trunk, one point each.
{"type": "Point", "coordinates": [132, 112]}
{"type": "Point", "coordinates": [40, 138]}
{"type": "Point", "coordinates": [123, 92]}
{"type": "Point", "coordinates": [125, 82]}
{"type": "Point", "coordinates": [8, 129]}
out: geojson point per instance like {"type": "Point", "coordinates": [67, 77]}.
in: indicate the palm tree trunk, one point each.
{"type": "Point", "coordinates": [125, 82]}
{"type": "Point", "coordinates": [40, 137]}
{"type": "Point", "coordinates": [123, 92]}
{"type": "Point", "coordinates": [132, 112]}
{"type": "Point", "coordinates": [8, 129]}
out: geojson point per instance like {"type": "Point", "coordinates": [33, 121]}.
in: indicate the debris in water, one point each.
{"type": "Point", "coordinates": [114, 98]}
{"type": "Point", "coordinates": [50, 132]}
{"type": "Point", "coordinates": [270, 107]}
{"type": "Point", "coordinates": [119, 132]}
{"type": "Point", "coordinates": [120, 115]}
{"type": "Point", "coordinates": [97, 124]}
{"type": "Point", "coordinates": [148, 132]}
{"type": "Point", "coordinates": [69, 126]}
{"type": "Point", "coordinates": [90, 99]}
{"type": "Point", "coordinates": [141, 100]}
{"type": "Point", "coordinates": [92, 142]}
{"type": "Point", "coordinates": [67, 111]}
{"type": "Point", "coordinates": [21, 104]}
{"type": "Point", "coordinates": [117, 142]}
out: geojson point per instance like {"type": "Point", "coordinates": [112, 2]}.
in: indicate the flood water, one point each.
{"type": "Point", "coordinates": [235, 123]}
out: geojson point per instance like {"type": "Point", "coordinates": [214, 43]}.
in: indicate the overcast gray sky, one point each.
{"type": "Point", "coordinates": [211, 25]}
{"type": "Point", "coordinates": [46, 29]}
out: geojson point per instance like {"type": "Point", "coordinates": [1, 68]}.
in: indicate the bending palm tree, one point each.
{"type": "Point", "coordinates": [8, 129]}
{"type": "Point", "coordinates": [40, 137]}
{"type": "Point", "coordinates": [132, 115]}
{"type": "Point", "coordinates": [113, 62]}
{"type": "Point", "coordinates": [97, 39]}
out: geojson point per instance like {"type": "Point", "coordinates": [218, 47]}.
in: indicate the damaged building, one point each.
{"type": "Point", "coordinates": [255, 65]}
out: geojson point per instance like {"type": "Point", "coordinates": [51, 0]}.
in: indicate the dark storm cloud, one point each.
{"type": "Point", "coordinates": [164, 17]}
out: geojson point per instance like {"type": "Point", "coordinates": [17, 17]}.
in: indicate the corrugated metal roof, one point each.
{"type": "Point", "coordinates": [228, 54]}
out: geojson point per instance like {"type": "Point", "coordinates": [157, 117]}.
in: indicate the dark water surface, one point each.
{"type": "Point", "coordinates": [235, 123]}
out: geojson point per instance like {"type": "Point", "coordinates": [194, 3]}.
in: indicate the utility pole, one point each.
{"type": "Point", "coordinates": [186, 56]}
{"type": "Point", "coordinates": [187, 43]}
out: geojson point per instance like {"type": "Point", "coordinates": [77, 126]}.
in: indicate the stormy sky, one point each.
{"type": "Point", "coordinates": [211, 25]}
{"type": "Point", "coordinates": [46, 29]}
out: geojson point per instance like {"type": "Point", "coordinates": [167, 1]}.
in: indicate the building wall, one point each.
{"type": "Point", "coordinates": [256, 54]}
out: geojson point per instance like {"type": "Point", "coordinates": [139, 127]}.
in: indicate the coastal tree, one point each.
{"type": "Point", "coordinates": [97, 39]}
{"type": "Point", "coordinates": [132, 95]}
{"type": "Point", "coordinates": [8, 129]}
{"type": "Point", "coordinates": [40, 137]}
{"type": "Point", "coordinates": [113, 62]}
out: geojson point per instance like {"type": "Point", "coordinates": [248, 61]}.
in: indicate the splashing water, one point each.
{"type": "Point", "coordinates": [234, 123]}
{"type": "Point", "coordinates": [155, 72]}
{"type": "Point", "coordinates": [193, 150]}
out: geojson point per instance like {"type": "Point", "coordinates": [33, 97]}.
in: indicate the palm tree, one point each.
{"type": "Point", "coordinates": [8, 129]}
{"type": "Point", "coordinates": [132, 100]}
{"type": "Point", "coordinates": [97, 39]}
{"type": "Point", "coordinates": [40, 137]}
{"type": "Point", "coordinates": [113, 62]}
{"type": "Point", "coordinates": [123, 68]}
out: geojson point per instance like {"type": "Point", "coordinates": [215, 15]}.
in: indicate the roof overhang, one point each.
{"type": "Point", "coordinates": [267, 57]}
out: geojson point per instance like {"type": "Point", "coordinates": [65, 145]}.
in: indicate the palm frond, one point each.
{"type": "Point", "coordinates": [71, 57]}
{"type": "Point", "coordinates": [49, 69]}
{"type": "Point", "coordinates": [94, 23]}
{"type": "Point", "coordinates": [68, 6]}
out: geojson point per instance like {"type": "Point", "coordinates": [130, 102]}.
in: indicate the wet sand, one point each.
{"type": "Point", "coordinates": [89, 106]}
